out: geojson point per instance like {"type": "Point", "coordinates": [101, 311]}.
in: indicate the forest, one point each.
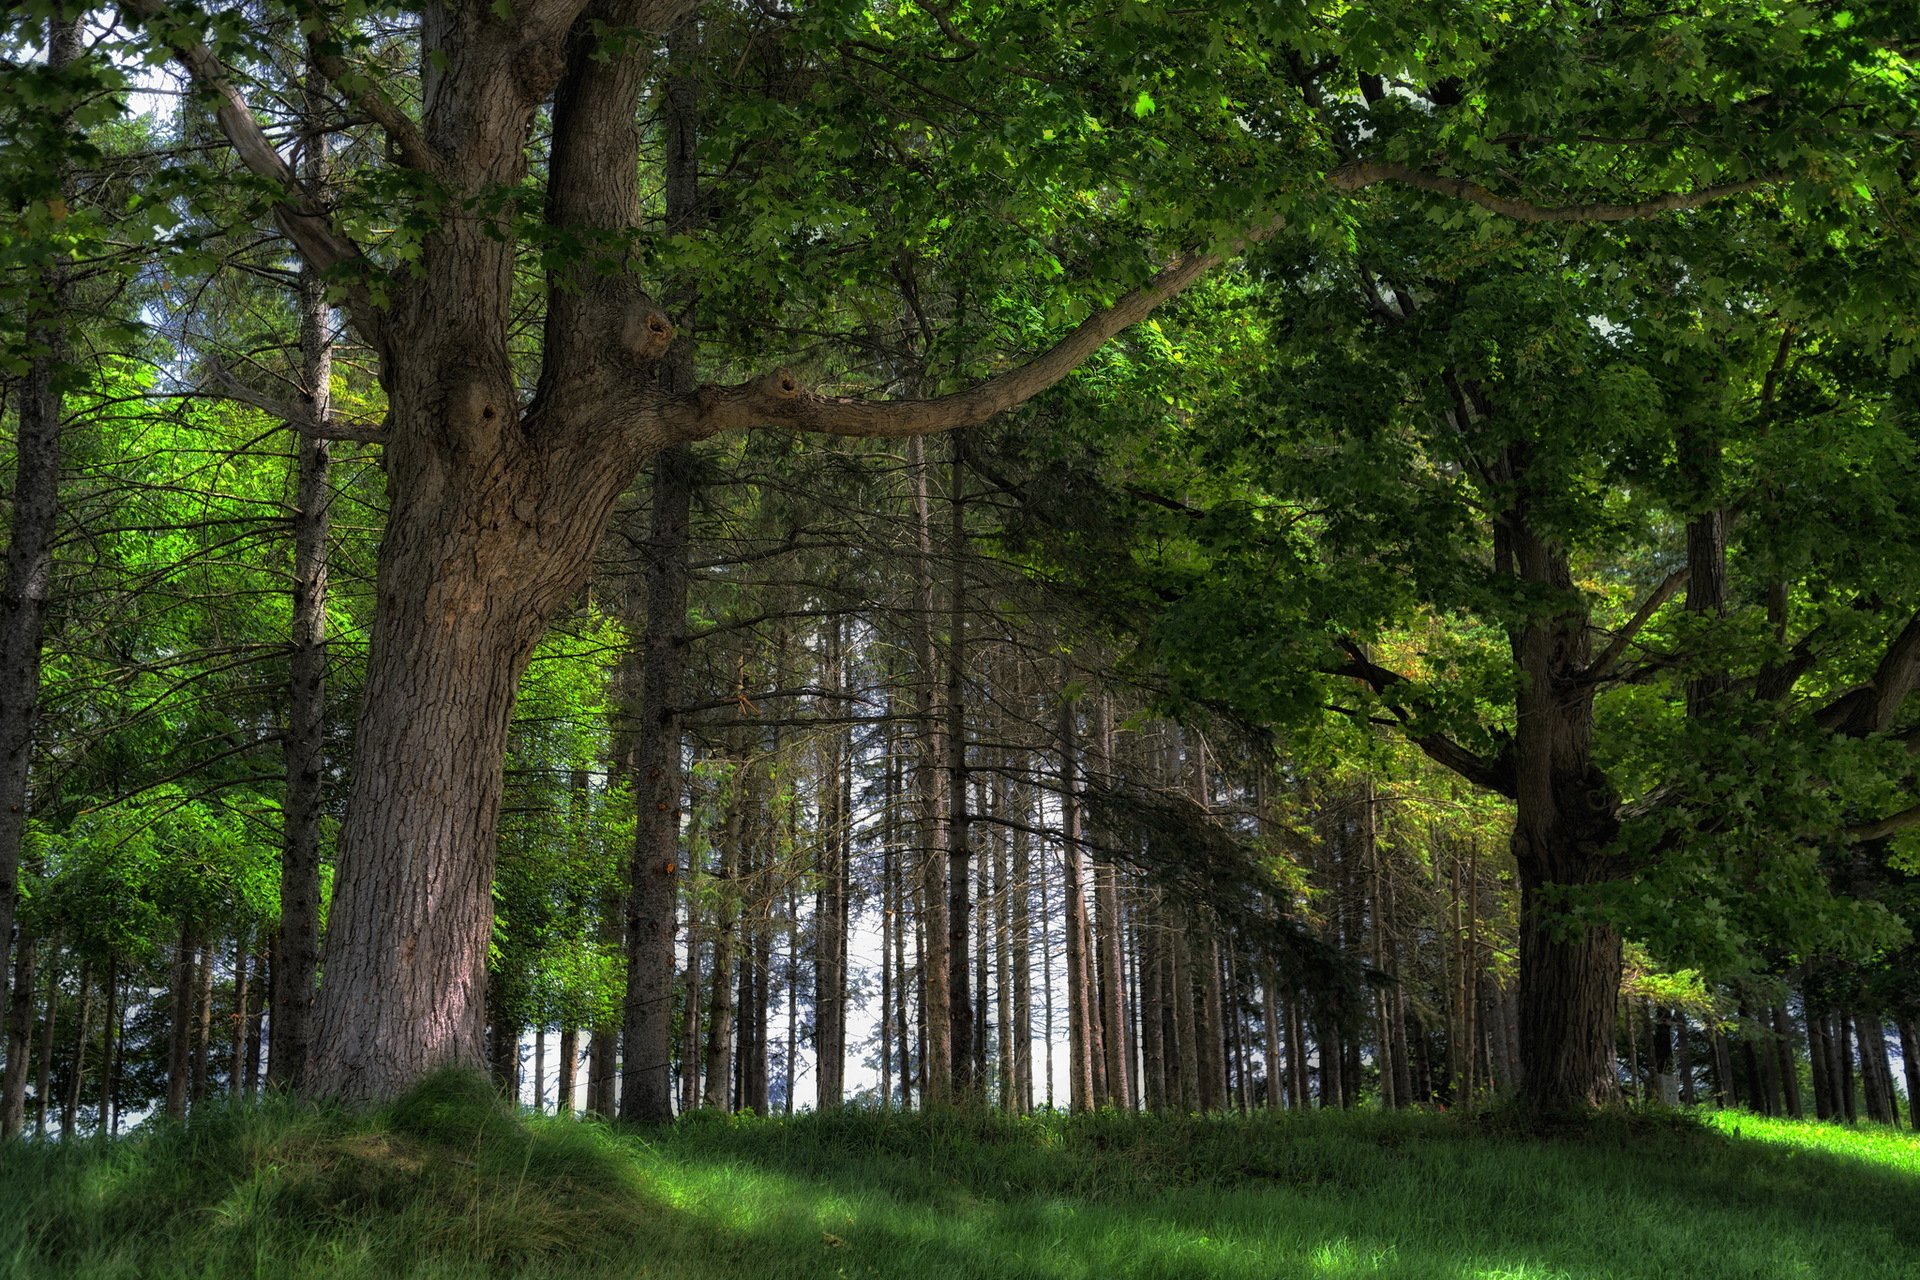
{"type": "Point", "coordinates": [1009, 637]}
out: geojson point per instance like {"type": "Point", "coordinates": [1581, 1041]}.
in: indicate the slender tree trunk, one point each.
{"type": "Point", "coordinates": [19, 1037]}
{"type": "Point", "coordinates": [1876, 1075]}
{"type": "Point", "coordinates": [1910, 1060]}
{"type": "Point", "coordinates": [1009, 1072]}
{"type": "Point", "coordinates": [719, 1066]}
{"type": "Point", "coordinates": [889, 931]}
{"type": "Point", "coordinates": [202, 1022]}
{"type": "Point", "coordinates": [1186, 1023]}
{"type": "Point", "coordinates": [1785, 1060]}
{"type": "Point", "coordinates": [830, 908]}
{"type": "Point", "coordinates": [1820, 1056]}
{"type": "Point", "coordinates": [1849, 1103]}
{"type": "Point", "coordinates": [1153, 1008]}
{"type": "Point", "coordinates": [1106, 892]}
{"type": "Point", "coordinates": [237, 1054]}
{"type": "Point", "coordinates": [569, 1069]}
{"type": "Point", "coordinates": [296, 970]}
{"type": "Point", "coordinates": [49, 1029]}
{"type": "Point", "coordinates": [77, 1064]}
{"type": "Point", "coordinates": [35, 516]}
{"type": "Point", "coordinates": [1022, 949]}
{"type": "Point", "coordinates": [932, 772]}
{"type": "Point", "coordinates": [959, 917]}
{"type": "Point", "coordinates": [180, 1024]}
{"type": "Point", "coordinates": [107, 1121]}
{"type": "Point", "coordinates": [691, 1037]}
{"type": "Point", "coordinates": [1080, 1006]}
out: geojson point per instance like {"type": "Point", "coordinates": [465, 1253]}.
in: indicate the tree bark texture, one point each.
{"type": "Point", "coordinates": [1566, 818]}
{"type": "Point", "coordinates": [28, 586]}
{"type": "Point", "coordinates": [298, 945]}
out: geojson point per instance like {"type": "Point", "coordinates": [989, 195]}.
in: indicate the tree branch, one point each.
{"type": "Point", "coordinates": [1362, 174]}
{"type": "Point", "coordinates": [1624, 637]}
{"type": "Point", "coordinates": [1871, 708]}
{"type": "Point", "coordinates": [303, 223]}
{"type": "Point", "coordinates": [780, 400]}
{"type": "Point", "coordinates": [324, 51]}
{"type": "Point", "coordinates": [1495, 775]}
{"type": "Point", "coordinates": [306, 424]}
{"type": "Point", "coordinates": [1889, 825]}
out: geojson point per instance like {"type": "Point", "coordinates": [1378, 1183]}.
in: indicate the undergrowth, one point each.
{"type": "Point", "coordinates": [448, 1183]}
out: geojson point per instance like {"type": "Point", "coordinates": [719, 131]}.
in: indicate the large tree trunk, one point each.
{"type": "Point", "coordinates": [180, 1023]}
{"type": "Point", "coordinates": [1565, 820]}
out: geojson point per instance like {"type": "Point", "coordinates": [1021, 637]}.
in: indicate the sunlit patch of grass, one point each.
{"type": "Point", "coordinates": [450, 1184]}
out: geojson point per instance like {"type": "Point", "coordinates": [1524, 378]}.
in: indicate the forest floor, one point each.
{"type": "Point", "coordinates": [447, 1184]}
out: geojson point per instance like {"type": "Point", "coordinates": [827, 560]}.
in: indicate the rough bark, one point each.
{"type": "Point", "coordinates": [1080, 1005]}
{"type": "Point", "coordinates": [1116, 1045]}
{"type": "Point", "coordinates": [646, 1084]}
{"type": "Point", "coordinates": [931, 772]}
{"type": "Point", "coordinates": [830, 904]}
{"type": "Point", "coordinates": [19, 1038]}
{"type": "Point", "coordinates": [180, 1023]}
{"type": "Point", "coordinates": [35, 515]}
{"type": "Point", "coordinates": [298, 945]}
{"type": "Point", "coordinates": [569, 1069]}
{"type": "Point", "coordinates": [1566, 818]}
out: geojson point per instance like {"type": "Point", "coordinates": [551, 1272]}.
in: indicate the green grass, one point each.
{"type": "Point", "coordinates": [446, 1184]}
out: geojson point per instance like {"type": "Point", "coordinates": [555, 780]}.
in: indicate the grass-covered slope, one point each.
{"type": "Point", "coordinates": [446, 1184]}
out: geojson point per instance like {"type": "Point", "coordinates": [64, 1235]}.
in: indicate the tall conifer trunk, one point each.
{"type": "Point", "coordinates": [297, 946]}
{"type": "Point", "coordinates": [28, 586]}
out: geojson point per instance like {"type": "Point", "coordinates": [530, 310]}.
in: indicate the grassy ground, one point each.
{"type": "Point", "coordinates": [447, 1185]}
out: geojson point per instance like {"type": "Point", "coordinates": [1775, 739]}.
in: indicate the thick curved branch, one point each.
{"type": "Point", "coordinates": [299, 218]}
{"type": "Point", "coordinates": [1892, 824]}
{"type": "Point", "coordinates": [1362, 174]}
{"type": "Point", "coordinates": [780, 399]}
{"type": "Point", "coordinates": [1872, 707]}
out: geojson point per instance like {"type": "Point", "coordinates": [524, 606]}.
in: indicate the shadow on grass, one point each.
{"type": "Point", "coordinates": [1311, 1195]}
{"type": "Point", "coordinates": [449, 1184]}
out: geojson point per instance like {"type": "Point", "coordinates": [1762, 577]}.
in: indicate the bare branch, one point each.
{"type": "Point", "coordinates": [1362, 174]}
{"type": "Point", "coordinates": [1624, 637]}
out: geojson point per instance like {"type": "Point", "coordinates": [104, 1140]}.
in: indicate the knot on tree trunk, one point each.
{"type": "Point", "coordinates": [646, 332]}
